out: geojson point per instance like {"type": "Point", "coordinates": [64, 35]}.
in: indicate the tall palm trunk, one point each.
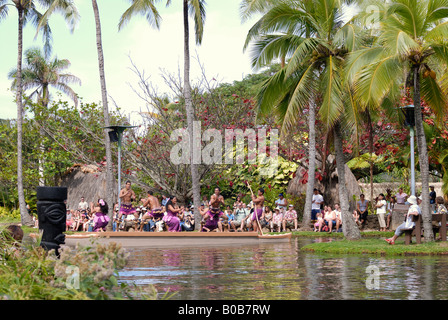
{"type": "Point", "coordinates": [351, 231]}
{"type": "Point", "coordinates": [24, 215]}
{"type": "Point", "coordinates": [422, 157]}
{"type": "Point", "coordinates": [109, 169]}
{"type": "Point", "coordinates": [370, 130]}
{"type": "Point", "coordinates": [44, 103]}
{"type": "Point", "coordinates": [190, 120]}
{"type": "Point", "coordinates": [311, 165]}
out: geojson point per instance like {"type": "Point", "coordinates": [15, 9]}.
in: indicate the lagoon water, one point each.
{"type": "Point", "coordinates": [284, 272]}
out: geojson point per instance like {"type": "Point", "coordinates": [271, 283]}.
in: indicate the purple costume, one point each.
{"type": "Point", "coordinates": [127, 209]}
{"type": "Point", "coordinates": [156, 213]}
{"type": "Point", "coordinates": [258, 212]}
{"type": "Point", "coordinates": [100, 221]}
{"type": "Point", "coordinates": [212, 222]}
{"type": "Point", "coordinates": [172, 221]}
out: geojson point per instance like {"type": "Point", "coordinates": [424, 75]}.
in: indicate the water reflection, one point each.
{"type": "Point", "coordinates": [282, 271]}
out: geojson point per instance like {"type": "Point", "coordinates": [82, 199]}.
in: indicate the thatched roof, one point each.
{"type": "Point", "coordinates": [85, 181]}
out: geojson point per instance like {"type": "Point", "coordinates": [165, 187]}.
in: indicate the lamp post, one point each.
{"type": "Point", "coordinates": [116, 135]}
{"type": "Point", "coordinates": [410, 122]}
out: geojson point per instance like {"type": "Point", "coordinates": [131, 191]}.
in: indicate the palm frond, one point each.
{"type": "Point", "coordinates": [145, 8]}
{"type": "Point", "coordinates": [374, 82]}
{"type": "Point", "coordinates": [332, 106]}
{"type": "Point", "coordinates": [197, 11]}
{"type": "Point", "coordinates": [433, 95]}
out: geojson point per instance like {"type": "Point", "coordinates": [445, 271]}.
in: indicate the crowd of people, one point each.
{"type": "Point", "coordinates": [153, 214]}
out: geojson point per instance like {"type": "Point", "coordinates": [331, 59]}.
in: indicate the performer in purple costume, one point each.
{"type": "Point", "coordinates": [212, 220]}
{"type": "Point", "coordinates": [171, 219]}
{"type": "Point", "coordinates": [101, 218]}
{"type": "Point", "coordinates": [213, 215]}
{"type": "Point", "coordinates": [258, 208]}
{"type": "Point", "coordinates": [154, 209]}
{"type": "Point", "coordinates": [127, 195]}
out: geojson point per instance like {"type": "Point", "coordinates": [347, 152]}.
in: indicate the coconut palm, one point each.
{"type": "Point", "coordinates": [109, 168]}
{"type": "Point", "coordinates": [315, 42]}
{"type": "Point", "coordinates": [197, 10]}
{"type": "Point", "coordinates": [27, 11]}
{"type": "Point", "coordinates": [410, 47]}
{"type": "Point", "coordinates": [39, 74]}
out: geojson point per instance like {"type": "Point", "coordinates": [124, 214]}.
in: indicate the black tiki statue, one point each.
{"type": "Point", "coordinates": [51, 211]}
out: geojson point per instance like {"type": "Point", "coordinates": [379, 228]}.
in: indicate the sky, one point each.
{"type": "Point", "coordinates": [151, 50]}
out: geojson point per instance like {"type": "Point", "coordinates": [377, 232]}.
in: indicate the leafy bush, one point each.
{"type": "Point", "coordinates": [84, 273]}
{"type": "Point", "coordinates": [9, 214]}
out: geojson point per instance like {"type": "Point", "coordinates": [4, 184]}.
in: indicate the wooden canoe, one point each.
{"type": "Point", "coordinates": [175, 239]}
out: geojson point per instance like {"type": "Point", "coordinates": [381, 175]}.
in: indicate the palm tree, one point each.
{"type": "Point", "coordinates": [315, 42]}
{"type": "Point", "coordinates": [39, 74]}
{"type": "Point", "coordinates": [411, 45]}
{"type": "Point", "coordinates": [26, 10]}
{"type": "Point", "coordinates": [197, 9]}
{"type": "Point", "coordinates": [109, 168]}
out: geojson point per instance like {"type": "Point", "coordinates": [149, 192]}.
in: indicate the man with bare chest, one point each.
{"type": "Point", "coordinates": [127, 195]}
{"type": "Point", "coordinates": [258, 208]}
{"type": "Point", "coordinates": [212, 217]}
{"type": "Point", "coordinates": [154, 209]}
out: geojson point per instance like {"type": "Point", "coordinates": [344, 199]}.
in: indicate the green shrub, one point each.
{"type": "Point", "coordinates": [9, 214]}
{"type": "Point", "coordinates": [31, 273]}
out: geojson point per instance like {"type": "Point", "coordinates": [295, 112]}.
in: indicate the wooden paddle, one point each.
{"type": "Point", "coordinates": [255, 212]}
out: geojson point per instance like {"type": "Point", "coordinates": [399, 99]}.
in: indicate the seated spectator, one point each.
{"type": "Point", "coordinates": [414, 210]}
{"type": "Point", "coordinates": [338, 215]}
{"type": "Point", "coordinates": [187, 222]}
{"type": "Point", "coordinates": [290, 218]}
{"type": "Point", "coordinates": [362, 206]}
{"type": "Point", "coordinates": [68, 220]}
{"type": "Point", "coordinates": [266, 218]}
{"type": "Point", "coordinates": [356, 217]}
{"type": "Point", "coordinates": [230, 217]}
{"type": "Point", "coordinates": [390, 209]}
{"type": "Point", "coordinates": [319, 222]}
{"type": "Point", "coordinates": [77, 219]}
{"type": "Point", "coordinates": [277, 219]}
{"type": "Point", "coordinates": [237, 202]}
{"type": "Point", "coordinates": [246, 224]}
{"type": "Point", "coordinates": [330, 220]}
{"type": "Point", "coordinates": [88, 225]}
{"type": "Point", "coordinates": [239, 215]}
{"type": "Point", "coordinates": [441, 208]}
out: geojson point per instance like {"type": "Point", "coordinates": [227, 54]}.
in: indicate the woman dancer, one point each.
{"type": "Point", "coordinates": [101, 219]}
{"type": "Point", "coordinates": [171, 219]}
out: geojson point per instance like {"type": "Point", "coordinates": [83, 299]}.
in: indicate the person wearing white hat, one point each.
{"type": "Point", "coordinates": [414, 210]}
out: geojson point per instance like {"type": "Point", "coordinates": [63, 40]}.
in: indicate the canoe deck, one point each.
{"type": "Point", "coordinates": [175, 239]}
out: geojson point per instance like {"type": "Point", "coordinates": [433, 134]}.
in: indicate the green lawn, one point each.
{"type": "Point", "coordinates": [377, 246]}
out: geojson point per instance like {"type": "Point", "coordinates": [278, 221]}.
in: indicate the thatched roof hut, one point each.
{"type": "Point", "coordinates": [85, 181]}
